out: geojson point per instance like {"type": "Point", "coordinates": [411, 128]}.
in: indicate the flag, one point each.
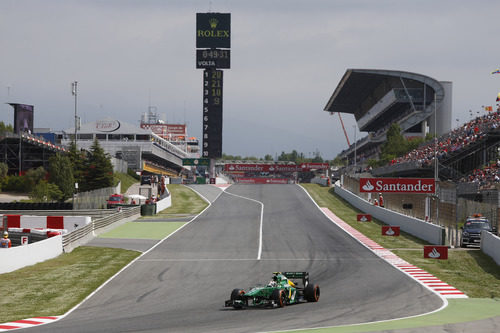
{"type": "Point", "coordinates": [498, 97]}
{"type": "Point", "coordinates": [497, 71]}
{"type": "Point", "coordinates": [488, 108]}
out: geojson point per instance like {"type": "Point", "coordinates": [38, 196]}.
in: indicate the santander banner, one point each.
{"type": "Point", "coordinates": [397, 185]}
{"type": "Point", "coordinates": [261, 180]}
{"type": "Point", "coordinates": [239, 167]}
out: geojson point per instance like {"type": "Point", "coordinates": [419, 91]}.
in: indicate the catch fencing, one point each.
{"type": "Point", "coordinates": [449, 207]}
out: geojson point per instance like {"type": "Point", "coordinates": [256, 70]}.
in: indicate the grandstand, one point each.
{"type": "Point", "coordinates": [142, 149]}
{"type": "Point", "coordinates": [467, 153]}
{"type": "Point", "coordinates": [24, 151]}
{"type": "Point", "coordinates": [379, 98]}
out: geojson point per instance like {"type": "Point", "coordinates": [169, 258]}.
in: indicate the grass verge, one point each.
{"type": "Point", "coordinates": [126, 180]}
{"type": "Point", "coordinates": [185, 202]}
{"type": "Point", "coordinates": [469, 270]}
{"type": "Point", "coordinates": [143, 230]}
{"type": "Point", "coordinates": [55, 286]}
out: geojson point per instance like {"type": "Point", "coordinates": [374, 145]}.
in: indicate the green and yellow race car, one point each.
{"type": "Point", "coordinates": [280, 291]}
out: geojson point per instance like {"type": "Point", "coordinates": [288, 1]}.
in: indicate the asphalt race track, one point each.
{"type": "Point", "coordinates": [181, 285]}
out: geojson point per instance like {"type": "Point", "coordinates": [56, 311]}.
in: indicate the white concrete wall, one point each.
{"type": "Point", "coordinates": [490, 244]}
{"type": "Point", "coordinates": [163, 204]}
{"type": "Point", "coordinates": [320, 181]}
{"type": "Point", "coordinates": [21, 256]}
{"type": "Point", "coordinates": [432, 233]}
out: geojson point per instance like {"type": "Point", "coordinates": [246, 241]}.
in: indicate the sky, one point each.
{"type": "Point", "coordinates": [287, 58]}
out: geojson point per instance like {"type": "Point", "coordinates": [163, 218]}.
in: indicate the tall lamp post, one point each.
{"type": "Point", "coordinates": [355, 146]}
{"type": "Point", "coordinates": [74, 91]}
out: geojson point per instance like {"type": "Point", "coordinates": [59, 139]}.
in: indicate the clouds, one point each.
{"type": "Point", "coordinates": [287, 58]}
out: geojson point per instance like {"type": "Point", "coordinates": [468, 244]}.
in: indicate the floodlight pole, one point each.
{"type": "Point", "coordinates": [355, 147]}
{"type": "Point", "coordinates": [436, 165]}
{"type": "Point", "coordinates": [74, 91]}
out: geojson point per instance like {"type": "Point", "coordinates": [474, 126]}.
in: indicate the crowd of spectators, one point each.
{"type": "Point", "coordinates": [455, 140]}
{"type": "Point", "coordinates": [486, 176]}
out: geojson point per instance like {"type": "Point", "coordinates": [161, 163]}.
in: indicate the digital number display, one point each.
{"type": "Point", "coordinates": [213, 58]}
{"type": "Point", "coordinates": [212, 113]}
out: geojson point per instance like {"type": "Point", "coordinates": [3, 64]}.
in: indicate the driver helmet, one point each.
{"type": "Point", "coordinates": [5, 234]}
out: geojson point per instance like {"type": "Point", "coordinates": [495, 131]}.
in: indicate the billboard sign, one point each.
{"type": "Point", "coordinates": [314, 165]}
{"type": "Point", "coordinates": [397, 185]}
{"type": "Point", "coordinates": [436, 252]}
{"type": "Point", "coordinates": [243, 180]}
{"type": "Point", "coordinates": [23, 118]}
{"type": "Point", "coordinates": [238, 167]}
{"type": "Point", "coordinates": [213, 30]}
{"type": "Point", "coordinates": [196, 161]}
{"type": "Point", "coordinates": [363, 217]}
{"type": "Point", "coordinates": [388, 230]}
{"type": "Point", "coordinates": [166, 130]}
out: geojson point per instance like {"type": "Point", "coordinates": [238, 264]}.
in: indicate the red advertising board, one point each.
{"type": "Point", "coordinates": [260, 167]}
{"type": "Point", "coordinates": [166, 129]}
{"type": "Point", "coordinates": [238, 167]}
{"type": "Point", "coordinates": [262, 180]}
{"type": "Point", "coordinates": [436, 251]}
{"type": "Point", "coordinates": [397, 185]}
{"type": "Point", "coordinates": [317, 166]}
{"type": "Point", "coordinates": [388, 230]}
{"type": "Point", "coordinates": [364, 217]}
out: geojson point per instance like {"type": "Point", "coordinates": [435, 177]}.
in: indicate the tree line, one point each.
{"type": "Point", "coordinates": [293, 156]}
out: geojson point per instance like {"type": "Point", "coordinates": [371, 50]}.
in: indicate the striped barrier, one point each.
{"type": "Point", "coordinates": [68, 223]}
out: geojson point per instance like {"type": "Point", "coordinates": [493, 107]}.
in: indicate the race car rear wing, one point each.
{"type": "Point", "coordinates": [298, 275]}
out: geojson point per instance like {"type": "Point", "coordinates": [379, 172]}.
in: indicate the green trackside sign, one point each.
{"type": "Point", "coordinates": [196, 161]}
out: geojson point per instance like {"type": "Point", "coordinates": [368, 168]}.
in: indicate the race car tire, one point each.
{"type": "Point", "coordinates": [279, 297]}
{"type": "Point", "coordinates": [237, 294]}
{"type": "Point", "coordinates": [311, 292]}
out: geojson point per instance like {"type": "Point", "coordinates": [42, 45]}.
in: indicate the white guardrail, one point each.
{"type": "Point", "coordinates": [27, 255]}
{"type": "Point", "coordinates": [432, 233]}
{"type": "Point", "coordinates": [490, 244]}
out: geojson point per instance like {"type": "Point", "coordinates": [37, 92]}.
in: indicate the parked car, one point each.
{"type": "Point", "coordinates": [115, 200]}
{"type": "Point", "coordinates": [471, 231]}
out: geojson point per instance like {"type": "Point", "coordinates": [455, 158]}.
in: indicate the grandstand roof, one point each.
{"type": "Point", "coordinates": [360, 89]}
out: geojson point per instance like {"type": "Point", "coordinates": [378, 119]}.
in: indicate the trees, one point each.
{"type": "Point", "coordinates": [98, 169]}
{"type": "Point", "coordinates": [5, 128]}
{"type": "Point", "coordinates": [61, 174]}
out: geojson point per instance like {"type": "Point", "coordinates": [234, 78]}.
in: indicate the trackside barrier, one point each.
{"type": "Point", "coordinates": [432, 233]}
{"type": "Point", "coordinates": [22, 256]}
{"type": "Point", "coordinates": [490, 244]}
{"type": "Point", "coordinates": [163, 203]}
{"type": "Point", "coordinates": [68, 223]}
{"type": "Point", "coordinates": [82, 235]}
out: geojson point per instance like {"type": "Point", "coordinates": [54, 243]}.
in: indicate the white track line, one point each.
{"type": "Point", "coordinates": [259, 254]}
{"type": "Point", "coordinates": [26, 323]}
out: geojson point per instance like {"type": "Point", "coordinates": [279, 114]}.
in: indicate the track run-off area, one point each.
{"type": "Point", "coordinates": [248, 232]}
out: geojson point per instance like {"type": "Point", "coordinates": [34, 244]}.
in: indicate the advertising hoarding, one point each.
{"type": "Point", "coordinates": [213, 30]}
{"type": "Point", "coordinates": [397, 185]}
{"type": "Point", "coordinates": [303, 167]}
